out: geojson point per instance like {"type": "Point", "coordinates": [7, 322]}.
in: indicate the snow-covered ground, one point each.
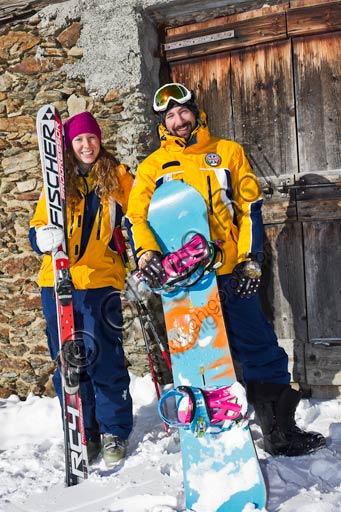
{"type": "Point", "coordinates": [150, 478]}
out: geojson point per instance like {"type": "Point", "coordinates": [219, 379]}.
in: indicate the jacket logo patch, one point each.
{"type": "Point", "coordinates": [213, 159]}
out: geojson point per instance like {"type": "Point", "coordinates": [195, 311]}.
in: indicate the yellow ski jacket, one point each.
{"type": "Point", "coordinates": [94, 262]}
{"type": "Point", "coordinates": [220, 171]}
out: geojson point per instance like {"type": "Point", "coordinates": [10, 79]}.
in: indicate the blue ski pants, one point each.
{"type": "Point", "coordinates": [252, 338]}
{"type": "Point", "coordinates": [104, 379]}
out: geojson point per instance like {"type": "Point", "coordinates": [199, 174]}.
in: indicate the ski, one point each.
{"type": "Point", "coordinates": [51, 147]}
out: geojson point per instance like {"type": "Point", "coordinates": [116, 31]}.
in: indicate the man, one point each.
{"type": "Point", "coordinates": [220, 171]}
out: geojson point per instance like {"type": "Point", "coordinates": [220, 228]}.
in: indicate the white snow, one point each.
{"type": "Point", "coordinates": [150, 478]}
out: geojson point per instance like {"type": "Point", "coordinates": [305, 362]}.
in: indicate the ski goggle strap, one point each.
{"type": "Point", "coordinates": [176, 92]}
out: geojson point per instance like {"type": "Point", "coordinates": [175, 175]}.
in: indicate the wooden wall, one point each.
{"type": "Point", "coordinates": [275, 87]}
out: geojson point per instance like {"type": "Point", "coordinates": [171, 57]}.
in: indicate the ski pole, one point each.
{"type": "Point", "coordinates": [149, 355]}
{"type": "Point", "coordinates": [121, 249]}
{"type": "Point", "coordinates": [150, 359]}
{"type": "Point", "coordinates": [155, 334]}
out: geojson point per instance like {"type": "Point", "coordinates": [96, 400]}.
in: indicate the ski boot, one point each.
{"type": "Point", "coordinates": [113, 449]}
{"type": "Point", "coordinates": [275, 406]}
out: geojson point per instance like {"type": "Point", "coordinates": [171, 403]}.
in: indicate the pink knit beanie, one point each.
{"type": "Point", "coordinates": [78, 124]}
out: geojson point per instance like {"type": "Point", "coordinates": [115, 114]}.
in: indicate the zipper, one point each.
{"type": "Point", "coordinates": [72, 221]}
{"type": "Point", "coordinates": [100, 215]}
{"type": "Point", "coordinates": [210, 202]}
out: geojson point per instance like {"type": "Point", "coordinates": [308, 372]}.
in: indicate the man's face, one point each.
{"type": "Point", "coordinates": [180, 121]}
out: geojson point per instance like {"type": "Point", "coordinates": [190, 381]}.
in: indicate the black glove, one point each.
{"type": "Point", "coordinates": [150, 265]}
{"type": "Point", "coordinates": [245, 278]}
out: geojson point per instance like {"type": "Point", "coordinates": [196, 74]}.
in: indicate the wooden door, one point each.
{"type": "Point", "coordinates": [281, 100]}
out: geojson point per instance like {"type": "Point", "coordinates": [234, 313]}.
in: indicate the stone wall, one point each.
{"type": "Point", "coordinates": [78, 55]}
{"type": "Point", "coordinates": [44, 60]}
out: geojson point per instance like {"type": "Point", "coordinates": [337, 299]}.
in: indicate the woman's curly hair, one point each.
{"type": "Point", "coordinates": [103, 170]}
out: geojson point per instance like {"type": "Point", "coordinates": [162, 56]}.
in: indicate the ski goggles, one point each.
{"type": "Point", "coordinates": [176, 92]}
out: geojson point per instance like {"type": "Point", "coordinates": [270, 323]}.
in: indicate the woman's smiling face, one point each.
{"type": "Point", "coordinates": [86, 147]}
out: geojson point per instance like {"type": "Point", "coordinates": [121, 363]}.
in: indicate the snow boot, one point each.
{"type": "Point", "coordinates": [113, 449]}
{"type": "Point", "coordinates": [275, 406]}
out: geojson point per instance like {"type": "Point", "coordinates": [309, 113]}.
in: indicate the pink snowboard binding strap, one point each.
{"type": "Point", "coordinates": [193, 259]}
{"type": "Point", "coordinates": [221, 404]}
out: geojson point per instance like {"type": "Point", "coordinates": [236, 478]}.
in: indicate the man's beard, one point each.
{"type": "Point", "coordinates": [183, 127]}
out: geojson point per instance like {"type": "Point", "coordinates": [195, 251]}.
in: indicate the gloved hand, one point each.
{"type": "Point", "coordinates": [151, 269]}
{"type": "Point", "coordinates": [49, 237]}
{"type": "Point", "coordinates": [245, 278]}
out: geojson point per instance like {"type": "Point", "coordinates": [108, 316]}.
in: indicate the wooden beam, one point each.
{"type": "Point", "coordinates": [314, 19]}
{"type": "Point", "coordinates": [247, 32]}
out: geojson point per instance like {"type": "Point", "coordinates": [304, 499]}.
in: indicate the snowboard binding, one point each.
{"type": "Point", "coordinates": [207, 411]}
{"type": "Point", "coordinates": [187, 265]}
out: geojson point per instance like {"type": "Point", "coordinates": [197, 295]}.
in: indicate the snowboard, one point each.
{"type": "Point", "coordinates": [221, 470]}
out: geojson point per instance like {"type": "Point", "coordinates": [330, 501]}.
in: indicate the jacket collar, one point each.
{"type": "Point", "coordinates": [86, 181]}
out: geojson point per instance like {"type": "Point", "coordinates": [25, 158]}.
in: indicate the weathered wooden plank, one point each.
{"type": "Point", "coordinates": [323, 365]}
{"type": "Point", "coordinates": [302, 3]}
{"type": "Point", "coordinates": [263, 107]}
{"type": "Point", "coordinates": [325, 392]}
{"type": "Point", "coordinates": [317, 71]}
{"type": "Point", "coordinates": [178, 12]}
{"type": "Point", "coordinates": [209, 78]}
{"type": "Point", "coordinates": [320, 209]}
{"type": "Point", "coordinates": [278, 211]}
{"type": "Point", "coordinates": [283, 291]}
{"type": "Point", "coordinates": [247, 32]}
{"type": "Point", "coordinates": [322, 249]}
{"type": "Point", "coordinates": [189, 29]}
{"type": "Point", "coordinates": [314, 19]}
{"type": "Point", "coordinates": [183, 31]}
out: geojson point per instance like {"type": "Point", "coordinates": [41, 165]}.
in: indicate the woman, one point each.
{"type": "Point", "coordinates": [97, 190]}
